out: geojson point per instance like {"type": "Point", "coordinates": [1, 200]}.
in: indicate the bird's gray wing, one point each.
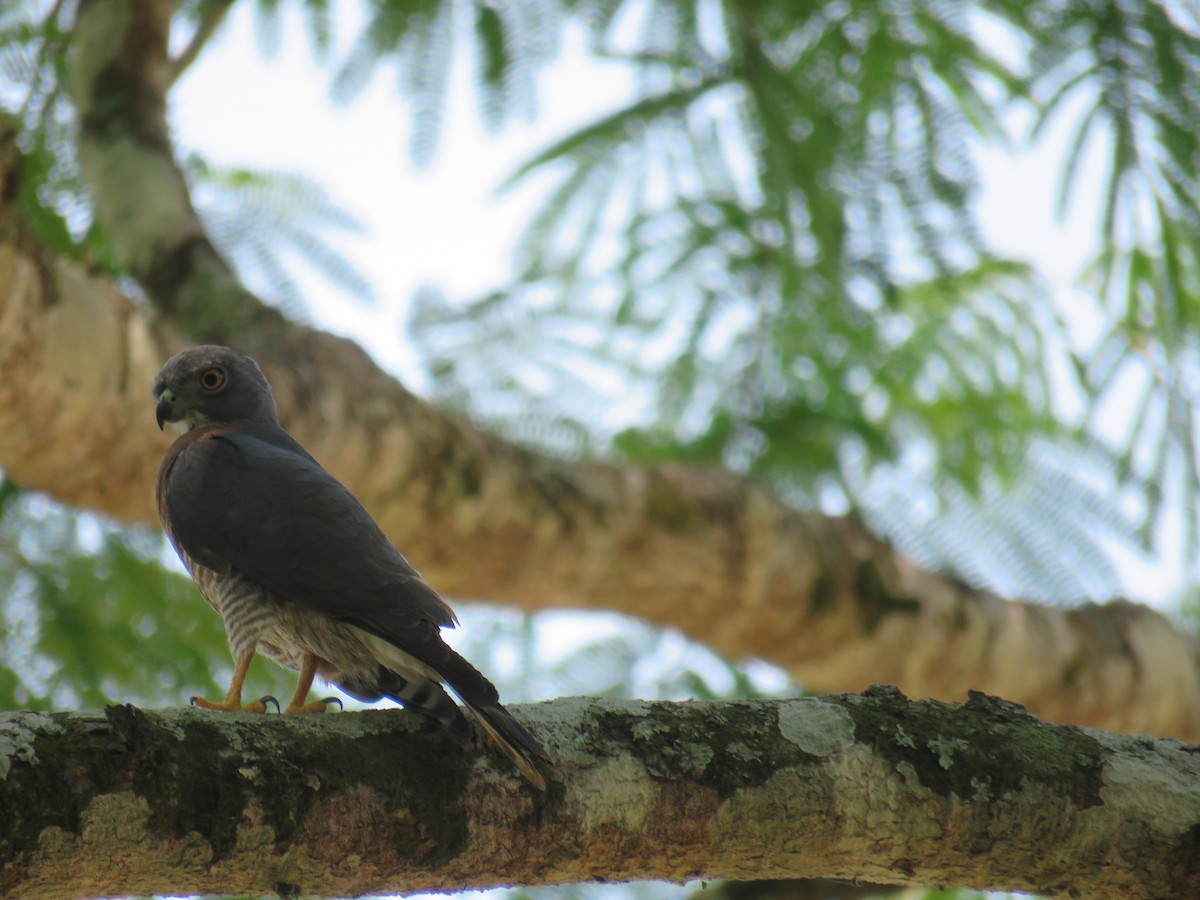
{"type": "Point", "coordinates": [251, 498]}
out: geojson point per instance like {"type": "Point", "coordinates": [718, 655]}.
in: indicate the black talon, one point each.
{"type": "Point", "coordinates": [193, 700]}
{"type": "Point", "coordinates": [269, 699]}
{"type": "Point", "coordinates": [328, 700]}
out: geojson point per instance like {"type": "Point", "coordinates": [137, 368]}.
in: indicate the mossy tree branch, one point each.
{"type": "Point", "coordinates": [870, 787]}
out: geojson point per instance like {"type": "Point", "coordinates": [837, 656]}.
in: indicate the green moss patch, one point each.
{"type": "Point", "coordinates": [986, 748]}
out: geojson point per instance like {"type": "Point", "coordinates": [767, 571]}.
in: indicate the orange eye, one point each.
{"type": "Point", "coordinates": [212, 379]}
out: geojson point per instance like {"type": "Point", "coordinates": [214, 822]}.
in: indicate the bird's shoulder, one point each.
{"type": "Point", "coordinates": [247, 471]}
{"type": "Point", "coordinates": [225, 444]}
{"type": "Point", "coordinates": [185, 454]}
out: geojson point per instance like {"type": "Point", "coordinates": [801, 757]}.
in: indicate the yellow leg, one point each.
{"type": "Point", "coordinates": [233, 697]}
{"type": "Point", "coordinates": [307, 672]}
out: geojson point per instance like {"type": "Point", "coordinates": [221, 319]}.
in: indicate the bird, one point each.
{"type": "Point", "coordinates": [298, 569]}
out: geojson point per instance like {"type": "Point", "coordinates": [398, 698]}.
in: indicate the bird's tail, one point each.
{"type": "Point", "coordinates": [419, 695]}
{"type": "Point", "coordinates": [517, 743]}
{"type": "Point", "coordinates": [482, 699]}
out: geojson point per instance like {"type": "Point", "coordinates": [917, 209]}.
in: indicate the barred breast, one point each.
{"type": "Point", "coordinates": [256, 620]}
{"type": "Point", "coordinates": [247, 610]}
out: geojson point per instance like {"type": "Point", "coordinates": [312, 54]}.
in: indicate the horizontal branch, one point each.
{"type": "Point", "coordinates": [871, 787]}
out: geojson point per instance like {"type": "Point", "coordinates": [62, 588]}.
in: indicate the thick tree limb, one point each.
{"type": "Point", "coordinates": [870, 787]}
{"type": "Point", "coordinates": [699, 550]}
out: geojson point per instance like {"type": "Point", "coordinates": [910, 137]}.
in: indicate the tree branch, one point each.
{"type": "Point", "coordinates": [120, 75]}
{"type": "Point", "coordinates": [211, 17]}
{"type": "Point", "coordinates": [871, 787]}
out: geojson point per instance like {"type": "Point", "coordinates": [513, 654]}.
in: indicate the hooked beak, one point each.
{"type": "Point", "coordinates": [164, 411]}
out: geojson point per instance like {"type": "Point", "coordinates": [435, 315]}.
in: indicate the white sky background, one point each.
{"type": "Point", "coordinates": [444, 226]}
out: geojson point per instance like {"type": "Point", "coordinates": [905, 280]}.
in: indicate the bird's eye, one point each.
{"type": "Point", "coordinates": [212, 379]}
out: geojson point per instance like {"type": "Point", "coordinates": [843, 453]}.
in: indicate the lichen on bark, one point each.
{"type": "Point", "coordinates": [871, 786]}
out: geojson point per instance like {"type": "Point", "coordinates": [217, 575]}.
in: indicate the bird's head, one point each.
{"type": "Point", "coordinates": [211, 385]}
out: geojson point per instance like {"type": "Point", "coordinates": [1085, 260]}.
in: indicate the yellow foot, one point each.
{"type": "Point", "coordinates": [317, 706]}
{"type": "Point", "coordinates": [228, 705]}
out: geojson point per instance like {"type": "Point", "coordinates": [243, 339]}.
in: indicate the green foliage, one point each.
{"type": "Point", "coordinates": [1129, 75]}
{"type": "Point", "coordinates": [771, 253]}
{"type": "Point", "coordinates": [785, 202]}
{"type": "Point", "coordinates": [509, 40]}
{"type": "Point", "coordinates": [1046, 533]}
{"type": "Point", "coordinates": [267, 222]}
{"type": "Point", "coordinates": [33, 103]}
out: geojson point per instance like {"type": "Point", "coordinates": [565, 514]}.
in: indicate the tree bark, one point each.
{"type": "Point", "coordinates": [699, 550]}
{"type": "Point", "coordinates": [871, 787]}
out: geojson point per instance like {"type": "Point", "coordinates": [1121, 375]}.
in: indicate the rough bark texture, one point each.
{"type": "Point", "coordinates": [872, 787]}
{"type": "Point", "coordinates": [699, 550]}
